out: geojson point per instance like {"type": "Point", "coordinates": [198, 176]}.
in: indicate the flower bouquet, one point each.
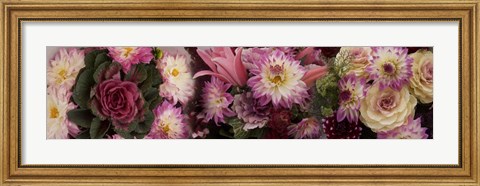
{"type": "Point", "coordinates": [240, 92]}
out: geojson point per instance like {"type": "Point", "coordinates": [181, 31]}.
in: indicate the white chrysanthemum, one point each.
{"type": "Point", "coordinates": [64, 67]}
{"type": "Point", "coordinates": [177, 77]}
{"type": "Point", "coordinates": [58, 126]}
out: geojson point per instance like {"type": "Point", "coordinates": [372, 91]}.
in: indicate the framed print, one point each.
{"type": "Point", "coordinates": [232, 93]}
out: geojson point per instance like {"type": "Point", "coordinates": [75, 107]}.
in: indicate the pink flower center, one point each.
{"type": "Point", "coordinates": [388, 68]}
{"type": "Point", "coordinates": [277, 69]}
{"type": "Point", "coordinates": [345, 95]}
{"type": "Point", "coordinates": [427, 70]}
{"type": "Point", "coordinates": [386, 103]}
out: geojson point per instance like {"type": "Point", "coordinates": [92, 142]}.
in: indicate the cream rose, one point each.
{"type": "Point", "coordinates": [359, 60]}
{"type": "Point", "coordinates": [386, 109]}
{"type": "Point", "coordinates": [421, 84]}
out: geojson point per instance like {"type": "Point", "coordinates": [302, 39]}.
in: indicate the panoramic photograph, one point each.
{"type": "Point", "coordinates": [244, 92]}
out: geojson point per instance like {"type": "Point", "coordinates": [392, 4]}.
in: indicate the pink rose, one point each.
{"type": "Point", "coordinates": [119, 101]}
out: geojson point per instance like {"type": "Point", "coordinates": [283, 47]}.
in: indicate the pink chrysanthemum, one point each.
{"type": "Point", "coordinates": [351, 92]}
{"type": "Point", "coordinates": [215, 101]}
{"type": "Point", "coordinates": [341, 130]}
{"type": "Point", "coordinates": [64, 67]}
{"type": "Point", "coordinates": [411, 130]}
{"type": "Point", "coordinates": [169, 123]}
{"type": "Point", "coordinates": [278, 79]}
{"type": "Point", "coordinates": [58, 104]}
{"type": "Point", "coordinates": [308, 128]}
{"type": "Point", "coordinates": [178, 83]}
{"type": "Point", "coordinates": [128, 56]}
{"type": "Point", "coordinates": [390, 66]}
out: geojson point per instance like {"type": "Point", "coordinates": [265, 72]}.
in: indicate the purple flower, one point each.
{"type": "Point", "coordinates": [215, 101]}
{"type": "Point", "coordinates": [250, 111]}
{"type": "Point", "coordinates": [119, 101]}
{"type": "Point", "coordinates": [308, 128]}
{"type": "Point", "coordinates": [390, 66]}
{"type": "Point", "coordinates": [351, 92]}
{"type": "Point", "coordinates": [410, 130]}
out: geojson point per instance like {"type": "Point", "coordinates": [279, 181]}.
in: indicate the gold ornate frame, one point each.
{"type": "Point", "coordinates": [14, 12]}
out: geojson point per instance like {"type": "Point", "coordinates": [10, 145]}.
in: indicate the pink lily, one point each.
{"type": "Point", "coordinates": [309, 55]}
{"type": "Point", "coordinates": [313, 74]}
{"type": "Point", "coordinates": [224, 64]}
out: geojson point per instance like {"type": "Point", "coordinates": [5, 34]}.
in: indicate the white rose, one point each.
{"type": "Point", "coordinates": [386, 109]}
{"type": "Point", "coordinates": [421, 84]}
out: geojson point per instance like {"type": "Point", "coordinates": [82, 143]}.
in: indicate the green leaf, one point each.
{"type": "Point", "coordinates": [84, 135]}
{"type": "Point", "coordinates": [98, 128]}
{"type": "Point", "coordinates": [101, 58]}
{"type": "Point", "coordinates": [99, 74]}
{"type": "Point", "coordinates": [123, 133]}
{"type": "Point", "coordinates": [146, 125]}
{"type": "Point", "coordinates": [154, 103]}
{"type": "Point", "coordinates": [81, 117]}
{"type": "Point", "coordinates": [151, 94]}
{"type": "Point", "coordinates": [138, 135]}
{"type": "Point", "coordinates": [90, 58]}
{"type": "Point", "coordinates": [136, 74]}
{"type": "Point", "coordinates": [257, 133]}
{"type": "Point", "coordinates": [113, 69]}
{"type": "Point", "coordinates": [237, 126]}
{"type": "Point", "coordinates": [132, 126]}
{"type": "Point", "coordinates": [81, 92]}
{"type": "Point", "coordinates": [224, 133]}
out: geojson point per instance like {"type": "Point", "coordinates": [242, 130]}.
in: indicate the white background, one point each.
{"type": "Point", "coordinates": [443, 149]}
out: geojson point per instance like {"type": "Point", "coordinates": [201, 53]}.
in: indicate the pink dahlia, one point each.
{"type": "Point", "coordinates": [278, 79]}
{"type": "Point", "coordinates": [169, 123]}
{"type": "Point", "coordinates": [308, 128]}
{"type": "Point", "coordinates": [410, 130]}
{"type": "Point", "coordinates": [341, 130]}
{"type": "Point", "coordinates": [351, 92]}
{"type": "Point", "coordinates": [250, 111]}
{"type": "Point", "coordinates": [128, 56]}
{"type": "Point", "coordinates": [215, 101]}
{"type": "Point", "coordinates": [390, 66]}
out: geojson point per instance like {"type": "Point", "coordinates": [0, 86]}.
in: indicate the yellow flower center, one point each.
{"type": "Point", "coordinates": [54, 112]}
{"type": "Point", "coordinates": [127, 51]}
{"type": "Point", "coordinates": [62, 75]}
{"type": "Point", "coordinates": [175, 72]}
{"type": "Point", "coordinates": [277, 80]}
{"type": "Point", "coordinates": [166, 129]}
